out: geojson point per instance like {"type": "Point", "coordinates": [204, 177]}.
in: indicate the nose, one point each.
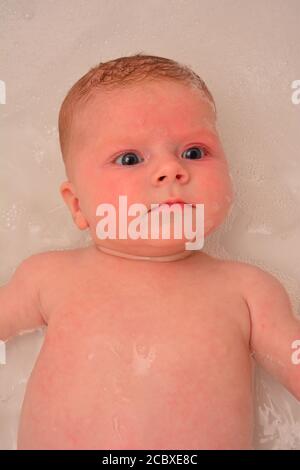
{"type": "Point", "coordinates": [169, 171]}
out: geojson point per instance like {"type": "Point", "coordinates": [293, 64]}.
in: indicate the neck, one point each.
{"type": "Point", "coordinates": [173, 257]}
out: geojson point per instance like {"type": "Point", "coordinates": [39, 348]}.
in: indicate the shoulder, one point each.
{"type": "Point", "coordinates": [249, 277]}
{"type": "Point", "coordinates": [254, 276]}
{"type": "Point", "coordinates": [43, 264]}
{"type": "Point", "coordinates": [230, 268]}
{"type": "Point", "coordinates": [264, 294]}
{"type": "Point", "coordinates": [246, 271]}
{"type": "Point", "coordinates": [259, 285]}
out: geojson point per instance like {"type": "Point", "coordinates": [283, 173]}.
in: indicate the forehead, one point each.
{"type": "Point", "coordinates": [151, 108]}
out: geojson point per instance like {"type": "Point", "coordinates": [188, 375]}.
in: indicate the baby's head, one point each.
{"type": "Point", "coordinates": [143, 127]}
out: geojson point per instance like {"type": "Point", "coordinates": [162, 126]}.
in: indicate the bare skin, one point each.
{"type": "Point", "coordinates": [131, 365]}
{"type": "Point", "coordinates": [142, 354]}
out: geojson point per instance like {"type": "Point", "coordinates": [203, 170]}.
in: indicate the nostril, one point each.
{"type": "Point", "coordinates": [162, 177]}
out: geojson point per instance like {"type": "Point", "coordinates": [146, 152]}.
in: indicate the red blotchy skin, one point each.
{"type": "Point", "coordinates": [138, 354]}
{"type": "Point", "coordinates": [150, 358]}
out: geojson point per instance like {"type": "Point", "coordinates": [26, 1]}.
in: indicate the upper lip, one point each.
{"type": "Point", "coordinates": [173, 201]}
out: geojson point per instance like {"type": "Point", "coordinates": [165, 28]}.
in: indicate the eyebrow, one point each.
{"type": "Point", "coordinates": [123, 140]}
{"type": "Point", "coordinates": [204, 130]}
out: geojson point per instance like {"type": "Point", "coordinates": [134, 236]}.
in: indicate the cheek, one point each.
{"type": "Point", "coordinates": [215, 189]}
{"type": "Point", "coordinates": [128, 183]}
{"type": "Point", "coordinates": [98, 187]}
{"type": "Point", "coordinates": [221, 186]}
{"type": "Point", "coordinates": [107, 188]}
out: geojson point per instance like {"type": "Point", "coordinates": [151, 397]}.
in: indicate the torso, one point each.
{"type": "Point", "coordinates": [141, 355]}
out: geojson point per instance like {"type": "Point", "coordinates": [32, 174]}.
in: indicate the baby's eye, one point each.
{"type": "Point", "coordinates": [195, 153]}
{"type": "Point", "coordinates": [128, 159]}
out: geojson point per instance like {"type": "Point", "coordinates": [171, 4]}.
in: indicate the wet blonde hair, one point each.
{"type": "Point", "coordinates": [118, 73]}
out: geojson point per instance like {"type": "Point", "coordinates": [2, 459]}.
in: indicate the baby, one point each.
{"type": "Point", "coordinates": [150, 344]}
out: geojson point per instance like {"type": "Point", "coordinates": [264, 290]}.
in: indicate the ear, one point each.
{"type": "Point", "coordinates": [67, 191]}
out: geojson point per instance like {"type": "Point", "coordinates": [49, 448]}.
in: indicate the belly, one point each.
{"type": "Point", "coordinates": [148, 392]}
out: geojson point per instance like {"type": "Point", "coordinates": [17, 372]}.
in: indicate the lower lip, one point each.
{"type": "Point", "coordinates": [171, 203]}
{"type": "Point", "coordinates": [162, 206]}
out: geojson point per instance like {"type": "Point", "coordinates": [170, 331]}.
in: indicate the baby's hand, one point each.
{"type": "Point", "coordinates": [19, 299]}
{"type": "Point", "coordinates": [275, 330]}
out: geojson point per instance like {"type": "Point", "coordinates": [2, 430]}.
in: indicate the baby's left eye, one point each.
{"type": "Point", "coordinates": [195, 153]}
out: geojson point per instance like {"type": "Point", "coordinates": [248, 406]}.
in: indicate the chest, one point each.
{"type": "Point", "coordinates": [130, 324]}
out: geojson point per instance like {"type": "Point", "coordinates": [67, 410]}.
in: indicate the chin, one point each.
{"type": "Point", "coordinates": [165, 247]}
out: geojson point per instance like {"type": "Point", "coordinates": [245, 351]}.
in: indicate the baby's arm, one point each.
{"type": "Point", "coordinates": [275, 330]}
{"type": "Point", "coordinates": [19, 299]}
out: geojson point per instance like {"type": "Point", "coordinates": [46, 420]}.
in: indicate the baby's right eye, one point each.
{"type": "Point", "coordinates": [128, 159]}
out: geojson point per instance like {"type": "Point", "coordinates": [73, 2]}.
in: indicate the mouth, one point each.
{"type": "Point", "coordinates": [172, 201]}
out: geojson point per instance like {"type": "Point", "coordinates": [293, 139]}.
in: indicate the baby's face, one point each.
{"type": "Point", "coordinates": [137, 142]}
